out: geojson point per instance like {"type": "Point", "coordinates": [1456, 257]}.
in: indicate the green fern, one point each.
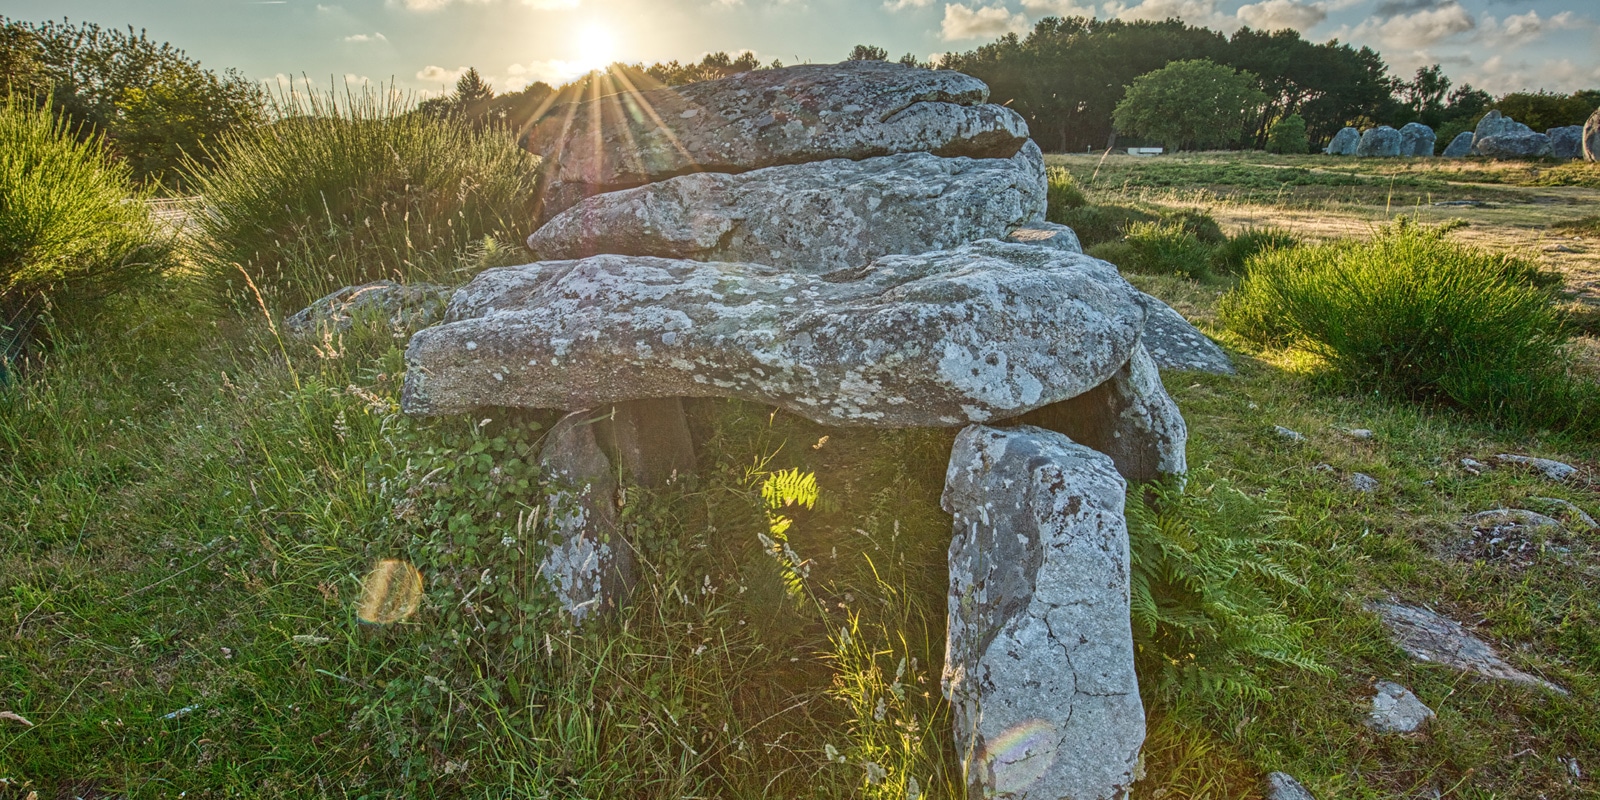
{"type": "Point", "coordinates": [783, 489]}
{"type": "Point", "coordinates": [1203, 579]}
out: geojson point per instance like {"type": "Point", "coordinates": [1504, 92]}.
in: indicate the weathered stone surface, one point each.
{"type": "Point", "coordinates": [1554, 470]}
{"type": "Point", "coordinates": [1362, 482]}
{"type": "Point", "coordinates": [1287, 434]}
{"type": "Point", "coordinates": [1508, 517]}
{"type": "Point", "coordinates": [403, 306]}
{"type": "Point", "coordinates": [1129, 418]}
{"type": "Point", "coordinates": [769, 117]}
{"type": "Point", "coordinates": [1591, 137]}
{"type": "Point", "coordinates": [588, 566]}
{"type": "Point", "coordinates": [815, 217]}
{"type": "Point", "coordinates": [1396, 710]}
{"type": "Point", "coordinates": [1426, 636]}
{"type": "Point", "coordinates": [1566, 142]}
{"type": "Point", "coordinates": [1459, 147]}
{"type": "Point", "coordinates": [1176, 344]}
{"type": "Point", "coordinates": [1344, 142]}
{"type": "Point", "coordinates": [1494, 124]}
{"type": "Point", "coordinates": [1039, 659]}
{"type": "Point", "coordinates": [985, 331]}
{"type": "Point", "coordinates": [1417, 140]}
{"type": "Point", "coordinates": [648, 439]}
{"type": "Point", "coordinates": [1283, 786]}
{"type": "Point", "coordinates": [1380, 142]}
{"type": "Point", "coordinates": [1574, 516]}
{"type": "Point", "coordinates": [1514, 145]}
{"type": "Point", "coordinates": [1048, 235]}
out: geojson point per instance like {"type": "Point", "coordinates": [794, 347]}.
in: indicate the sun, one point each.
{"type": "Point", "coordinates": [594, 47]}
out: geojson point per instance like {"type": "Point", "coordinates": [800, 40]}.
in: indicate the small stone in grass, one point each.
{"type": "Point", "coordinates": [1363, 482]}
{"type": "Point", "coordinates": [1358, 433]}
{"type": "Point", "coordinates": [1286, 434]}
{"type": "Point", "coordinates": [1282, 786]}
{"type": "Point", "coordinates": [1554, 470]}
{"type": "Point", "coordinates": [1324, 467]}
{"type": "Point", "coordinates": [1396, 710]}
{"type": "Point", "coordinates": [1473, 467]}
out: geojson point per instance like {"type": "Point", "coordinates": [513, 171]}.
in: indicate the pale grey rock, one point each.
{"type": "Point", "coordinates": [765, 118]}
{"type": "Point", "coordinates": [1130, 418]}
{"type": "Point", "coordinates": [1554, 470]}
{"type": "Point", "coordinates": [1288, 435]}
{"type": "Point", "coordinates": [1177, 344]}
{"type": "Point", "coordinates": [1396, 710]}
{"type": "Point", "coordinates": [1514, 145]}
{"type": "Point", "coordinates": [1417, 140]}
{"type": "Point", "coordinates": [1362, 482]}
{"type": "Point", "coordinates": [1495, 124]}
{"type": "Point", "coordinates": [1566, 142]}
{"type": "Point", "coordinates": [1576, 516]}
{"type": "Point", "coordinates": [1344, 142]}
{"type": "Point", "coordinates": [1591, 137]}
{"type": "Point", "coordinates": [1039, 655]}
{"type": "Point", "coordinates": [403, 306]}
{"type": "Point", "coordinates": [1380, 142]}
{"type": "Point", "coordinates": [1282, 786]}
{"type": "Point", "coordinates": [815, 217]}
{"type": "Point", "coordinates": [982, 332]}
{"type": "Point", "coordinates": [1427, 636]}
{"type": "Point", "coordinates": [1473, 466]}
{"type": "Point", "coordinates": [585, 562]}
{"type": "Point", "coordinates": [1459, 147]}
{"type": "Point", "coordinates": [1510, 517]}
{"type": "Point", "coordinates": [1046, 234]}
{"type": "Point", "coordinates": [1358, 433]}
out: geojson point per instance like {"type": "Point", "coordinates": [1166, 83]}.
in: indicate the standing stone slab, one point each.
{"type": "Point", "coordinates": [1514, 145]}
{"type": "Point", "coordinates": [1417, 140]}
{"type": "Point", "coordinates": [1130, 418]}
{"type": "Point", "coordinates": [1344, 142]}
{"type": "Point", "coordinates": [1566, 142]}
{"type": "Point", "coordinates": [1039, 659]}
{"type": "Point", "coordinates": [1459, 147]}
{"type": "Point", "coordinates": [1495, 124]}
{"type": "Point", "coordinates": [1380, 142]}
{"type": "Point", "coordinates": [586, 563]}
{"type": "Point", "coordinates": [818, 217]}
{"type": "Point", "coordinates": [1591, 137]}
{"type": "Point", "coordinates": [985, 331]}
{"type": "Point", "coordinates": [764, 118]}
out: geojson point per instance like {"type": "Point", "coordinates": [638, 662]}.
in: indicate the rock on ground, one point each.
{"type": "Point", "coordinates": [403, 306]}
{"type": "Point", "coordinates": [1344, 142]}
{"type": "Point", "coordinates": [1417, 140]}
{"type": "Point", "coordinates": [1380, 142]}
{"type": "Point", "coordinates": [1362, 482]}
{"type": "Point", "coordinates": [1177, 344]}
{"type": "Point", "coordinates": [1459, 147]}
{"type": "Point", "coordinates": [815, 217]}
{"type": "Point", "coordinates": [1396, 710]}
{"type": "Point", "coordinates": [1039, 659]}
{"type": "Point", "coordinates": [764, 118]}
{"type": "Point", "coordinates": [1427, 636]}
{"type": "Point", "coordinates": [1494, 124]}
{"type": "Point", "coordinates": [986, 331]}
{"type": "Point", "coordinates": [588, 566]}
{"type": "Point", "coordinates": [1283, 786]}
{"type": "Point", "coordinates": [1591, 137]}
{"type": "Point", "coordinates": [1048, 235]}
{"type": "Point", "coordinates": [1566, 142]}
{"type": "Point", "coordinates": [1288, 435]}
{"type": "Point", "coordinates": [1554, 470]}
{"type": "Point", "coordinates": [1129, 418]}
{"type": "Point", "coordinates": [1514, 145]}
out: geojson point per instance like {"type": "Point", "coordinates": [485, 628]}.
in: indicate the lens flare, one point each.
{"type": "Point", "coordinates": [1021, 755]}
{"type": "Point", "coordinates": [391, 592]}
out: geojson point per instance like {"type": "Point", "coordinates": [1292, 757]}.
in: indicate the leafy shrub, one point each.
{"type": "Point", "coordinates": [1288, 136]}
{"type": "Point", "coordinates": [1199, 223]}
{"type": "Point", "coordinates": [1412, 313]}
{"type": "Point", "coordinates": [348, 192]}
{"type": "Point", "coordinates": [73, 228]}
{"type": "Point", "coordinates": [1231, 255]}
{"type": "Point", "coordinates": [1063, 191]}
{"type": "Point", "coordinates": [1096, 224]}
{"type": "Point", "coordinates": [1167, 248]}
{"type": "Point", "coordinates": [1203, 565]}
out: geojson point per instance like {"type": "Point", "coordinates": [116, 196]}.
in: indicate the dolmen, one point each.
{"type": "Point", "coordinates": [860, 244]}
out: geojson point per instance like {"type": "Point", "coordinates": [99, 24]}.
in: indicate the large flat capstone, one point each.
{"type": "Point", "coordinates": [764, 118]}
{"type": "Point", "coordinates": [815, 217]}
{"type": "Point", "coordinates": [1039, 659]}
{"type": "Point", "coordinates": [986, 331]}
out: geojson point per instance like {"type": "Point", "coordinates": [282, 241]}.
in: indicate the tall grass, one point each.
{"type": "Point", "coordinates": [72, 228]}
{"type": "Point", "coordinates": [1413, 314]}
{"type": "Point", "coordinates": [349, 189]}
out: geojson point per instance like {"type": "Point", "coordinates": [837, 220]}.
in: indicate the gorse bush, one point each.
{"type": "Point", "coordinates": [1413, 314]}
{"type": "Point", "coordinates": [1063, 192]}
{"type": "Point", "coordinates": [1231, 255]}
{"type": "Point", "coordinates": [1165, 248]}
{"type": "Point", "coordinates": [343, 191]}
{"type": "Point", "coordinates": [73, 229]}
{"type": "Point", "coordinates": [1096, 224]}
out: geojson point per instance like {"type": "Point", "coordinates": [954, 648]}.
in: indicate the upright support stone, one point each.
{"type": "Point", "coordinates": [648, 439]}
{"type": "Point", "coordinates": [1039, 659]}
{"type": "Point", "coordinates": [586, 561]}
{"type": "Point", "coordinates": [1130, 418]}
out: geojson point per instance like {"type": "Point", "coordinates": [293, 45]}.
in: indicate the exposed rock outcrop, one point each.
{"type": "Point", "coordinates": [1039, 655]}
{"type": "Point", "coordinates": [1514, 145]}
{"type": "Point", "coordinates": [1566, 142]}
{"type": "Point", "coordinates": [404, 306]}
{"type": "Point", "coordinates": [1427, 636]}
{"type": "Point", "coordinates": [1176, 344]}
{"type": "Point", "coordinates": [1344, 143]}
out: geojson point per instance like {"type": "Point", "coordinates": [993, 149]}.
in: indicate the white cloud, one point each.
{"type": "Point", "coordinates": [1275, 15]}
{"type": "Point", "coordinates": [1059, 8]}
{"type": "Point", "coordinates": [1500, 75]}
{"type": "Point", "coordinates": [1421, 29]}
{"type": "Point", "coordinates": [434, 5]}
{"type": "Point", "coordinates": [364, 37]}
{"type": "Point", "coordinates": [352, 79]}
{"type": "Point", "coordinates": [1520, 29]}
{"type": "Point", "coordinates": [434, 74]}
{"type": "Point", "coordinates": [897, 5]}
{"type": "Point", "coordinates": [961, 22]}
{"type": "Point", "coordinates": [1195, 12]}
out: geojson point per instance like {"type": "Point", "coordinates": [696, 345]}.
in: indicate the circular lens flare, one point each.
{"type": "Point", "coordinates": [1021, 756]}
{"type": "Point", "coordinates": [391, 592]}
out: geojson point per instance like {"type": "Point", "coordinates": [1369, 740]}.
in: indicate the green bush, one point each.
{"type": "Point", "coordinates": [1097, 224]}
{"type": "Point", "coordinates": [73, 228]}
{"type": "Point", "coordinates": [1288, 136]}
{"type": "Point", "coordinates": [1199, 223]}
{"type": "Point", "coordinates": [1412, 313]}
{"type": "Point", "coordinates": [1167, 248]}
{"type": "Point", "coordinates": [348, 191]}
{"type": "Point", "coordinates": [1231, 255]}
{"type": "Point", "coordinates": [1063, 191]}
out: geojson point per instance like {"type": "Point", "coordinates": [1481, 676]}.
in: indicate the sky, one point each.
{"type": "Point", "coordinates": [422, 46]}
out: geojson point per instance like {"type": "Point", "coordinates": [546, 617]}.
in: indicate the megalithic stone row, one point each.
{"type": "Point", "coordinates": [1344, 142]}
{"type": "Point", "coordinates": [1039, 655]}
{"type": "Point", "coordinates": [1417, 140]}
{"type": "Point", "coordinates": [1591, 137]}
{"type": "Point", "coordinates": [1380, 142]}
{"type": "Point", "coordinates": [1459, 147]}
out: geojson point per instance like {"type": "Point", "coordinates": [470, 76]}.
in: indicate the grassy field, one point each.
{"type": "Point", "coordinates": [188, 505]}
